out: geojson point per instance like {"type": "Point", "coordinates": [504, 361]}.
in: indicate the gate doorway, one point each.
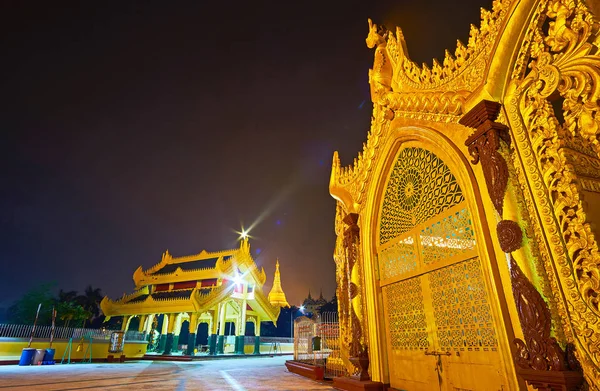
{"type": "Point", "coordinates": [438, 316]}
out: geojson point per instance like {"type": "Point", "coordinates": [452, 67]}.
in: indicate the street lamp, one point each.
{"type": "Point", "coordinates": [301, 309]}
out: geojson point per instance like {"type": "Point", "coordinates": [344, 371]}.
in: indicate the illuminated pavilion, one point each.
{"type": "Point", "coordinates": [209, 287]}
{"type": "Point", "coordinates": [466, 254]}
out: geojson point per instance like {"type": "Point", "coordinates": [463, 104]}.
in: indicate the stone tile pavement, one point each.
{"type": "Point", "coordinates": [268, 374]}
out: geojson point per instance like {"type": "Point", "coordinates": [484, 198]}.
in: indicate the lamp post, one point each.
{"type": "Point", "coordinates": [301, 309]}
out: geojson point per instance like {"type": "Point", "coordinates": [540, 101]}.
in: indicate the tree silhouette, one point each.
{"type": "Point", "coordinates": [68, 311]}
{"type": "Point", "coordinates": [90, 301]}
{"type": "Point", "coordinates": [23, 310]}
{"type": "Point", "coordinates": [66, 296]}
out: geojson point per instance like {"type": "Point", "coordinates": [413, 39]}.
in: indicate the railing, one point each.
{"type": "Point", "coordinates": [43, 332]}
{"type": "Point", "coordinates": [317, 342]}
{"type": "Point", "coordinates": [276, 339]}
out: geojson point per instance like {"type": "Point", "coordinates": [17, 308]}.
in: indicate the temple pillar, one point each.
{"type": "Point", "coordinates": [222, 317]}
{"type": "Point", "coordinates": [163, 334]}
{"type": "Point", "coordinates": [126, 319]}
{"type": "Point", "coordinates": [257, 336]}
{"type": "Point", "coordinates": [214, 322]}
{"type": "Point", "coordinates": [147, 322]}
{"type": "Point", "coordinates": [169, 339]}
{"type": "Point", "coordinates": [240, 330]}
{"type": "Point", "coordinates": [150, 323]}
{"type": "Point", "coordinates": [193, 325]}
{"type": "Point", "coordinates": [142, 325]}
{"type": "Point", "coordinates": [221, 338]}
{"type": "Point", "coordinates": [212, 338]}
{"type": "Point", "coordinates": [177, 330]}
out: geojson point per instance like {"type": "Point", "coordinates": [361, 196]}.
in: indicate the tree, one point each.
{"type": "Point", "coordinates": [66, 296]}
{"type": "Point", "coordinates": [68, 311]}
{"type": "Point", "coordinates": [90, 301]}
{"type": "Point", "coordinates": [23, 310]}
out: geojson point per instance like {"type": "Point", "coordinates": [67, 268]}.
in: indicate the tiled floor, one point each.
{"type": "Point", "coordinates": [268, 373]}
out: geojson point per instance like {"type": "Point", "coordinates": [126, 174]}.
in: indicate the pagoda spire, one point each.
{"type": "Point", "coordinates": [276, 296]}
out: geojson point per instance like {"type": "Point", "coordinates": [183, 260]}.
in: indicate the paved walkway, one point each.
{"type": "Point", "coordinates": [268, 374]}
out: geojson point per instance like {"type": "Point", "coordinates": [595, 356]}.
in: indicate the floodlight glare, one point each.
{"type": "Point", "coordinates": [237, 279]}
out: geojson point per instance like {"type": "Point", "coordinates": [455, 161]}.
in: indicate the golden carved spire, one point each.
{"type": "Point", "coordinates": [276, 296]}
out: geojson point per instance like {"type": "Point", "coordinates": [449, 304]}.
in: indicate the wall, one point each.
{"type": "Point", "coordinates": [10, 348]}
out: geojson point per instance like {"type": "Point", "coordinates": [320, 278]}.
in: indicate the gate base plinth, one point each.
{"type": "Point", "coordinates": [311, 371]}
{"type": "Point", "coordinates": [111, 358]}
{"type": "Point", "coordinates": [349, 384]}
{"type": "Point", "coordinates": [552, 380]}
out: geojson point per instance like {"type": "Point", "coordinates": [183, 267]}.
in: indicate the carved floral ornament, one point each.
{"type": "Point", "coordinates": [401, 88]}
{"type": "Point", "coordinates": [458, 72]}
{"type": "Point", "coordinates": [559, 62]}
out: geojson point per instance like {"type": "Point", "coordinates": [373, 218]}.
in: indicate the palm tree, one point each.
{"type": "Point", "coordinates": [90, 301]}
{"type": "Point", "coordinates": [69, 310]}
{"type": "Point", "coordinates": [66, 296]}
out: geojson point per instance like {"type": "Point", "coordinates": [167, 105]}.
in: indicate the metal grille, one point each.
{"type": "Point", "coordinates": [461, 307]}
{"type": "Point", "coordinates": [406, 315]}
{"type": "Point", "coordinates": [450, 236]}
{"type": "Point", "coordinates": [420, 187]}
{"type": "Point", "coordinates": [399, 258]}
{"type": "Point", "coordinates": [317, 342]}
{"type": "Point", "coordinates": [275, 339]}
{"type": "Point", "coordinates": [43, 332]}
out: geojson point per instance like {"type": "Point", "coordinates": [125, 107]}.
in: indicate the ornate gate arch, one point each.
{"type": "Point", "coordinates": [521, 98]}
{"type": "Point", "coordinates": [443, 327]}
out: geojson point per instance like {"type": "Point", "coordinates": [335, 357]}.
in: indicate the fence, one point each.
{"type": "Point", "coordinates": [317, 342]}
{"type": "Point", "coordinates": [275, 339]}
{"type": "Point", "coordinates": [43, 332]}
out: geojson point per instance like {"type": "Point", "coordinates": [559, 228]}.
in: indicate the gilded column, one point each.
{"type": "Point", "coordinates": [163, 333]}
{"type": "Point", "coordinates": [212, 339]}
{"type": "Point", "coordinates": [359, 354]}
{"type": "Point", "coordinates": [176, 331]}
{"type": "Point", "coordinates": [125, 323]}
{"type": "Point", "coordinates": [540, 360]}
{"type": "Point", "coordinates": [257, 335]}
{"type": "Point", "coordinates": [147, 324]}
{"type": "Point", "coordinates": [221, 339]}
{"type": "Point", "coordinates": [241, 332]}
{"type": "Point", "coordinates": [193, 325]}
{"type": "Point", "coordinates": [142, 324]}
{"type": "Point", "coordinates": [169, 339]}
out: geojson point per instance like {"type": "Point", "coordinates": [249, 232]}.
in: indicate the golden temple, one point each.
{"type": "Point", "coordinates": [466, 256]}
{"type": "Point", "coordinates": [209, 287]}
{"type": "Point", "coordinates": [276, 295]}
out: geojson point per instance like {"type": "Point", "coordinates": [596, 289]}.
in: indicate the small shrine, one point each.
{"type": "Point", "coordinates": [312, 305]}
{"type": "Point", "coordinates": [209, 287]}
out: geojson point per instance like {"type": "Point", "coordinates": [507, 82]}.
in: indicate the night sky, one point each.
{"type": "Point", "coordinates": [128, 128]}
